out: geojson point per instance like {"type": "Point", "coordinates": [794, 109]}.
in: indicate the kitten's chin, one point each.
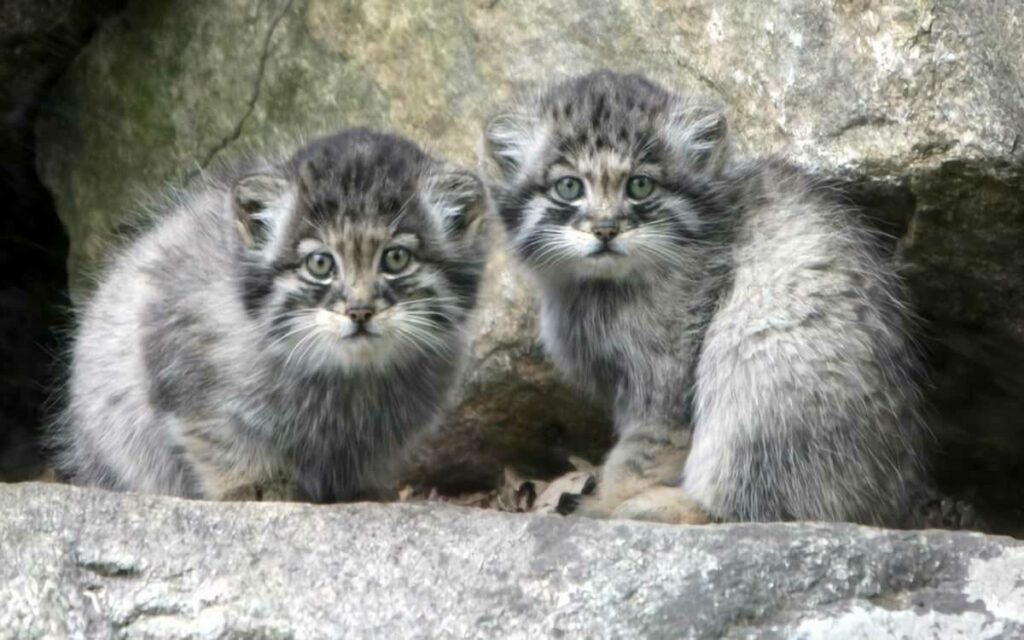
{"type": "Point", "coordinates": [365, 351]}
{"type": "Point", "coordinates": [352, 353]}
{"type": "Point", "coordinates": [607, 265]}
{"type": "Point", "coordinates": [598, 266]}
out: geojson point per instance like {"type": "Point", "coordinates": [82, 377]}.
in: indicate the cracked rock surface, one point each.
{"type": "Point", "coordinates": [918, 107]}
{"type": "Point", "coordinates": [80, 563]}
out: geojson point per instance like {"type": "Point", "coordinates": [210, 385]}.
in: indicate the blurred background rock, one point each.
{"type": "Point", "coordinates": [917, 109]}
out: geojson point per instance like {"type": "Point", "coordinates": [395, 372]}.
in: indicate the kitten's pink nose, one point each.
{"type": "Point", "coordinates": [360, 314]}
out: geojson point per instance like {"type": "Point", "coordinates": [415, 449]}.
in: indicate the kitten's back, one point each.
{"type": "Point", "coordinates": [108, 410]}
{"type": "Point", "coordinates": [809, 347]}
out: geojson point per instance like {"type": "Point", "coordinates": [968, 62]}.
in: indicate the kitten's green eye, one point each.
{"type": "Point", "coordinates": [395, 260]}
{"type": "Point", "coordinates": [569, 188]}
{"type": "Point", "coordinates": [639, 187]}
{"type": "Point", "coordinates": [320, 264]}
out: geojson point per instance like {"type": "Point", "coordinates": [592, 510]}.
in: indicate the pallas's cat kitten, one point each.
{"type": "Point", "coordinates": [749, 337]}
{"type": "Point", "coordinates": [303, 320]}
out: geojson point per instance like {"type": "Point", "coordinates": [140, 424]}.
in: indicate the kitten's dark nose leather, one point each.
{"type": "Point", "coordinates": [360, 313]}
{"type": "Point", "coordinates": [605, 230]}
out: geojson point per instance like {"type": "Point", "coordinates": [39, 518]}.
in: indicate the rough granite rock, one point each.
{"type": "Point", "coordinates": [918, 106]}
{"type": "Point", "coordinates": [90, 564]}
{"type": "Point", "coordinates": [923, 97]}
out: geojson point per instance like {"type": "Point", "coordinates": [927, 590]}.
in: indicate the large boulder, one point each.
{"type": "Point", "coordinates": [94, 564]}
{"type": "Point", "coordinates": [916, 106]}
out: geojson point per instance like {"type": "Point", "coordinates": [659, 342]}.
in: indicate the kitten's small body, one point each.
{"type": "Point", "coordinates": [299, 324]}
{"type": "Point", "coordinates": [749, 337]}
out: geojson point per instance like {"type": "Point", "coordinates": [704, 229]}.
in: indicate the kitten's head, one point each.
{"type": "Point", "coordinates": [360, 251]}
{"type": "Point", "coordinates": [606, 176]}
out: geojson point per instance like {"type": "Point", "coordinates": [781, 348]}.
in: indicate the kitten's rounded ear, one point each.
{"type": "Point", "coordinates": [698, 131]}
{"type": "Point", "coordinates": [258, 201]}
{"type": "Point", "coordinates": [310, 173]}
{"type": "Point", "coordinates": [507, 139]}
{"type": "Point", "coordinates": [457, 198]}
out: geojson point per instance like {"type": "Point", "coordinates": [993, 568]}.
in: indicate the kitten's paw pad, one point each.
{"type": "Point", "coordinates": [568, 503]}
{"type": "Point", "coordinates": [668, 505]}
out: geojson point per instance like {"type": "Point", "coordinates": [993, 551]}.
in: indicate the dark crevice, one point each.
{"type": "Point", "coordinates": [33, 246]}
{"type": "Point", "coordinates": [966, 277]}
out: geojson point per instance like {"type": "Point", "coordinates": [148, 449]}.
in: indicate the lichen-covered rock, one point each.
{"type": "Point", "coordinates": [917, 105]}
{"type": "Point", "coordinates": [91, 564]}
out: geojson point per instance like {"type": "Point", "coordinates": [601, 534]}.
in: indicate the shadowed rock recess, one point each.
{"type": "Point", "coordinates": [95, 564]}
{"type": "Point", "coordinates": [38, 39]}
{"type": "Point", "coordinates": [916, 107]}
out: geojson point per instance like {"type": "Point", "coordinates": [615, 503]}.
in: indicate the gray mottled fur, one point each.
{"type": "Point", "coordinates": [210, 361]}
{"type": "Point", "coordinates": [750, 338]}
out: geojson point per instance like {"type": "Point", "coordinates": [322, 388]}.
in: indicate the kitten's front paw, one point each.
{"type": "Point", "coordinates": [584, 503]}
{"type": "Point", "coordinates": [568, 503]}
{"type": "Point", "coordinates": [668, 505]}
{"type": "Point", "coordinates": [948, 513]}
{"type": "Point", "coordinates": [586, 506]}
{"type": "Point", "coordinates": [244, 493]}
{"type": "Point", "coordinates": [277, 490]}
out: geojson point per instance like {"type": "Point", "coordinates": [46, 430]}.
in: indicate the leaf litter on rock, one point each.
{"type": "Point", "coordinates": [515, 493]}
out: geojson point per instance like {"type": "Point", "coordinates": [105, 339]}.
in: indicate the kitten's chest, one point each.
{"type": "Point", "coordinates": [600, 336]}
{"type": "Point", "coordinates": [339, 412]}
{"type": "Point", "coordinates": [586, 332]}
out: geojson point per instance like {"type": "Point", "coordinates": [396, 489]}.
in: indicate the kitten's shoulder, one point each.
{"type": "Point", "coordinates": [763, 180]}
{"type": "Point", "coordinates": [182, 229]}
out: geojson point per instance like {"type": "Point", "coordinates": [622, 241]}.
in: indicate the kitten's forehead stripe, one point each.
{"type": "Point", "coordinates": [604, 110]}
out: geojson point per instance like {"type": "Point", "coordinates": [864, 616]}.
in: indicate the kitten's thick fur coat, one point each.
{"type": "Point", "coordinates": [217, 358]}
{"type": "Point", "coordinates": [750, 338]}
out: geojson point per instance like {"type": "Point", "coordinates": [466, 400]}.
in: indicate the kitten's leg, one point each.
{"type": "Point", "coordinates": [278, 489]}
{"type": "Point", "coordinates": [639, 479]}
{"type": "Point", "coordinates": [667, 504]}
{"type": "Point", "coordinates": [228, 467]}
{"type": "Point", "coordinates": [806, 409]}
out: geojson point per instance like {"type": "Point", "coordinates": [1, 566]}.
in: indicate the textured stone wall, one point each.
{"type": "Point", "coordinates": [917, 107]}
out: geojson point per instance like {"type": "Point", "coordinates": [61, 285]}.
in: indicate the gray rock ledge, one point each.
{"type": "Point", "coordinates": [78, 563]}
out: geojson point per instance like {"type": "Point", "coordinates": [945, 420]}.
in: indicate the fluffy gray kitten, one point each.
{"type": "Point", "coordinates": [751, 340]}
{"type": "Point", "coordinates": [303, 321]}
